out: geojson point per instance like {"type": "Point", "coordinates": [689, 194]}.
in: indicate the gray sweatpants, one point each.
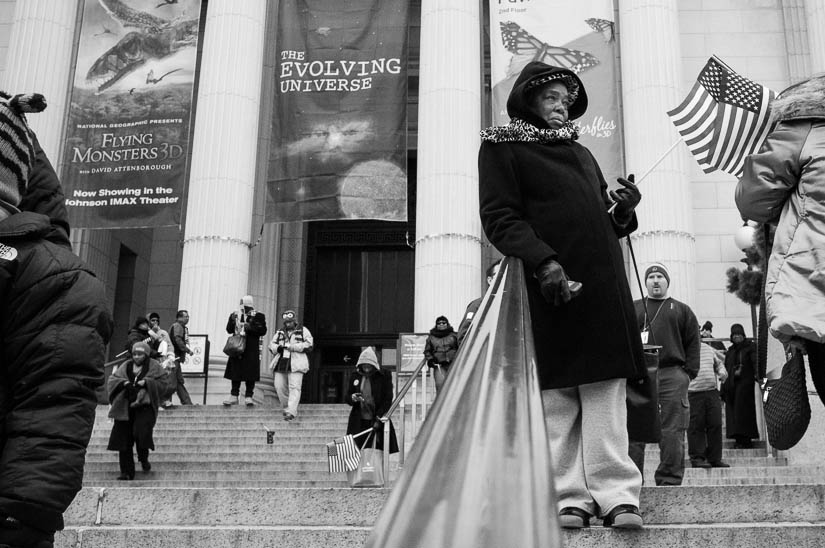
{"type": "Point", "coordinates": [587, 428]}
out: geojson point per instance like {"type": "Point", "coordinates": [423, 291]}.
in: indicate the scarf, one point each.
{"type": "Point", "coordinates": [520, 131]}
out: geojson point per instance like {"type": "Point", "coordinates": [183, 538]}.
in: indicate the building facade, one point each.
{"type": "Point", "coordinates": [358, 283]}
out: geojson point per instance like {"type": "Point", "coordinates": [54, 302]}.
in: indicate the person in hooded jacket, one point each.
{"type": "Point", "coordinates": [543, 199]}
{"type": "Point", "coordinates": [370, 395]}
{"type": "Point", "coordinates": [738, 389]}
{"type": "Point", "coordinates": [784, 185]}
{"type": "Point", "coordinates": [141, 331]}
{"type": "Point", "coordinates": [440, 350]}
{"type": "Point", "coordinates": [135, 391]}
{"type": "Point", "coordinates": [53, 334]}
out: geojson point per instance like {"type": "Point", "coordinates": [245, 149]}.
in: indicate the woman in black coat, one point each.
{"type": "Point", "coordinates": [543, 199]}
{"type": "Point", "coordinates": [135, 389]}
{"type": "Point", "coordinates": [738, 389]}
{"type": "Point", "coordinates": [370, 395]}
{"type": "Point", "coordinates": [440, 350]}
{"type": "Point", "coordinates": [247, 367]}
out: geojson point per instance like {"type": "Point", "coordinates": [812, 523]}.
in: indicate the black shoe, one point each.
{"type": "Point", "coordinates": [125, 477]}
{"type": "Point", "coordinates": [719, 464]}
{"type": "Point", "coordinates": [624, 516]}
{"type": "Point", "coordinates": [571, 517]}
{"type": "Point", "coordinates": [145, 465]}
{"type": "Point", "coordinates": [699, 463]}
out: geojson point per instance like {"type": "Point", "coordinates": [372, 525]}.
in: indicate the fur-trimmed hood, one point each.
{"type": "Point", "coordinates": [803, 100]}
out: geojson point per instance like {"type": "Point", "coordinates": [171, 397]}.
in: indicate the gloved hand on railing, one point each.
{"type": "Point", "coordinates": [377, 425]}
{"type": "Point", "coordinates": [431, 363]}
{"type": "Point", "coordinates": [553, 282]}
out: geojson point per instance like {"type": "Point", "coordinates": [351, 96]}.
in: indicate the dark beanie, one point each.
{"type": "Point", "coordinates": [737, 329]}
{"type": "Point", "coordinates": [660, 268]}
{"type": "Point", "coordinates": [707, 326]}
{"type": "Point", "coordinates": [442, 319]}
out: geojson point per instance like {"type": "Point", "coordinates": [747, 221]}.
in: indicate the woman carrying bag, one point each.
{"type": "Point", "coordinates": [134, 393]}
{"type": "Point", "coordinates": [370, 395]}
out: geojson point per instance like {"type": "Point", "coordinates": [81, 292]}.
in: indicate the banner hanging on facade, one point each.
{"type": "Point", "coordinates": [127, 138]}
{"type": "Point", "coordinates": [575, 35]}
{"type": "Point", "coordinates": [339, 148]}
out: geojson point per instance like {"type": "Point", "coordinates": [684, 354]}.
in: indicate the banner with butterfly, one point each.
{"type": "Point", "coordinates": [574, 35]}
{"type": "Point", "coordinates": [339, 145]}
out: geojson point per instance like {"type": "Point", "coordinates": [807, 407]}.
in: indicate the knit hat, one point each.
{"type": "Point", "coordinates": [660, 268]}
{"type": "Point", "coordinates": [246, 300]}
{"type": "Point", "coordinates": [707, 326]}
{"type": "Point", "coordinates": [16, 148]}
{"type": "Point", "coordinates": [737, 329]}
{"type": "Point", "coordinates": [442, 319]}
{"type": "Point", "coordinates": [368, 357]}
{"type": "Point", "coordinates": [140, 344]}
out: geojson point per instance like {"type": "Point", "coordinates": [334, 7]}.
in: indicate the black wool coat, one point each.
{"type": "Point", "coordinates": [539, 201]}
{"type": "Point", "coordinates": [248, 366]}
{"type": "Point", "coordinates": [737, 391]}
{"type": "Point", "coordinates": [381, 384]}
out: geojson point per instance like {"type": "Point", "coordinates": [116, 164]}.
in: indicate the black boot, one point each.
{"type": "Point", "coordinates": [15, 534]}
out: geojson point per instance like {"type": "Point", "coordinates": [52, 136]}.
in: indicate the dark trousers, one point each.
{"type": "Point", "coordinates": [674, 416]}
{"type": "Point", "coordinates": [816, 362]}
{"type": "Point", "coordinates": [177, 386]}
{"type": "Point", "coordinates": [236, 388]}
{"type": "Point", "coordinates": [705, 430]}
{"type": "Point", "coordinates": [127, 460]}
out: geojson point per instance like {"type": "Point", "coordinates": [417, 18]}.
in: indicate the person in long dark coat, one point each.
{"type": "Point", "coordinates": [370, 395]}
{"type": "Point", "coordinates": [544, 200]}
{"type": "Point", "coordinates": [135, 389]}
{"type": "Point", "coordinates": [738, 389]}
{"type": "Point", "coordinates": [247, 367]}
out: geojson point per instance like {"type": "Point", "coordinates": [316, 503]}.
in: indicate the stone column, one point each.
{"type": "Point", "coordinates": [651, 77]}
{"type": "Point", "coordinates": [40, 60]}
{"type": "Point", "coordinates": [448, 247]}
{"type": "Point", "coordinates": [218, 236]}
{"type": "Point", "coordinates": [815, 17]}
{"type": "Point", "coordinates": [796, 39]}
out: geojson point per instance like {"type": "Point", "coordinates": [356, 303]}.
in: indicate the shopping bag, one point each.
{"type": "Point", "coordinates": [643, 422]}
{"type": "Point", "coordinates": [235, 346]}
{"type": "Point", "coordinates": [370, 471]}
{"type": "Point", "coordinates": [787, 409]}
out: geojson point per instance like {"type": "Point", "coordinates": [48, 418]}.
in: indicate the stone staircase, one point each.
{"type": "Point", "coordinates": [215, 482]}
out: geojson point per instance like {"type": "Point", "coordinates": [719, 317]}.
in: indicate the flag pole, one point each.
{"type": "Point", "coordinates": [657, 162]}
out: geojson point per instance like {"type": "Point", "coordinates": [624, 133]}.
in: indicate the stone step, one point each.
{"type": "Point", "coordinates": [296, 447]}
{"type": "Point", "coordinates": [651, 463]}
{"type": "Point", "coordinates": [317, 466]}
{"type": "Point", "coordinates": [159, 503]}
{"type": "Point", "coordinates": [220, 422]}
{"type": "Point", "coordinates": [765, 481]}
{"type": "Point", "coordinates": [111, 481]}
{"type": "Point", "coordinates": [161, 473]}
{"type": "Point", "coordinates": [655, 536]}
{"type": "Point", "coordinates": [260, 454]}
{"type": "Point", "coordinates": [726, 453]}
{"type": "Point", "coordinates": [251, 437]}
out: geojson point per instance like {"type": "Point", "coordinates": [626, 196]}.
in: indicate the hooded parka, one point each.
{"type": "Point", "coordinates": [784, 184]}
{"type": "Point", "coordinates": [548, 200]}
{"type": "Point", "coordinates": [381, 399]}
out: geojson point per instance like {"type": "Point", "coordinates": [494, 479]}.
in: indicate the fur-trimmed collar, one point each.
{"type": "Point", "coordinates": [520, 131]}
{"type": "Point", "coordinates": [804, 100]}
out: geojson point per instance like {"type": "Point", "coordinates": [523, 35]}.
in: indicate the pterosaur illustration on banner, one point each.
{"type": "Point", "coordinates": [153, 38]}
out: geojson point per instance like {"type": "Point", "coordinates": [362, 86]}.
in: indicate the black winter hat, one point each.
{"type": "Point", "coordinates": [442, 319]}
{"type": "Point", "coordinates": [737, 329]}
{"type": "Point", "coordinates": [536, 74]}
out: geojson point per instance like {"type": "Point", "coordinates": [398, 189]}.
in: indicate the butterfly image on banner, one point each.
{"type": "Point", "coordinates": [526, 48]}
{"type": "Point", "coordinates": [603, 26]}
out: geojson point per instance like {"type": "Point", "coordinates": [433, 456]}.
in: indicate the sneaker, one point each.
{"type": "Point", "coordinates": [125, 477]}
{"type": "Point", "coordinates": [248, 401]}
{"type": "Point", "coordinates": [624, 516]}
{"type": "Point", "coordinates": [165, 404]}
{"type": "Point", "coordinates": [719, 464]}
{"type": "Point", "coordinates": [289, 417]}
{"type": "Point", "coordinates": [699, 463]}
{"type": "Point", "coordinates": [232, 400]}
{"type": "Point", "coordinates": [573, 518]}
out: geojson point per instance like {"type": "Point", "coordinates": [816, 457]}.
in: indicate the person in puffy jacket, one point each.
{"type": "Point", "coordinates": [289, 348]}
{"type": "Point", "coordinates": [440, 350]}
{"type": "Point", "coordinates": [53, 335]}
{"type": "Point", "coordinates": [370, 395]}
{"type": "Point", "coordinates": [784, 185]}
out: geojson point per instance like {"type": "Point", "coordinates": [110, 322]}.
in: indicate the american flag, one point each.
{"type": "Point", "coordinates": [724, 118]}
{"type": "Point", "coordinates": [343, 455]}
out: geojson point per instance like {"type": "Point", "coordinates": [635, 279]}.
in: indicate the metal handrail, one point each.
{"type": "Point", "coordinates": [480, 474]}
{"type": "Point", "coordinates": [403, 392]}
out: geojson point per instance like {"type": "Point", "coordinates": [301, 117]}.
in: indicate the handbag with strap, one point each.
{"type": "Point", "coordinates": [235, 346]}
{"type": "Point", "coordinates": [787, 409]}
{"type": "Point", "coordinates": [370, 471]}
{"type": "Point", "coordinates": [643, 423]}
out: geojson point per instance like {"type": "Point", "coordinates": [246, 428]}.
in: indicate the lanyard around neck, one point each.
{"type": "Point", "coordinates": [657, 311]}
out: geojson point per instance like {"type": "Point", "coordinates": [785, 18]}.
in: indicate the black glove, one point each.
{"type": "Point", "coordinates": [626, 198]}
{"type": "Point", "coordinates": [553, 282]}
{"type": "Point", "coordinates": [377, 425]}
{"type": "Point", "coordinates": [431, 362]}
{"type": "Point", "coordinates": [280, 349]}
{"type": "Point", "coordinates": [15, 533]}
